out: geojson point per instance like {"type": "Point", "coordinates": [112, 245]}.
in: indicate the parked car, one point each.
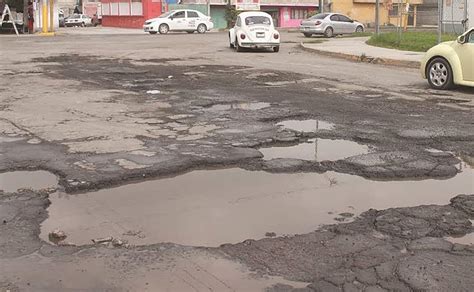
{"type": "Point", "coordinates": [329, 25]}
{"type": "Point", "coordinates": [62, 19]}
{"type": "Point", "coordinates": [78, 20]}
{"type": "Point", "coordinates": [254, 30]}
{"type": "Point", "coordinates": [179, 20]}
{"type": "Point", "coordinates": [450, 63]}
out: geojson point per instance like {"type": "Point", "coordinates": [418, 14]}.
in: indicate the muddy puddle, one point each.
{"type": "Point", "coordinates": [239, 106]}
{"type": "Point", "coordinates": [12, 181]}
{"type": "Point", "coordinates": [467, 239]}
{"type": "Point", "coordinates": [213, 207]}
{"type": "Point", "coordinates": [306, 125]}
{"type": "Point", "coordinates": [316, 149]}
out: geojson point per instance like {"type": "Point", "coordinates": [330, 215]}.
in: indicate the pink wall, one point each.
{"type": "Point", "coordinates": [285, 17]}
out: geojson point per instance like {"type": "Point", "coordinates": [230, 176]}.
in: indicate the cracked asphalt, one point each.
{"type": "Point", "coordinates": [105, 110]}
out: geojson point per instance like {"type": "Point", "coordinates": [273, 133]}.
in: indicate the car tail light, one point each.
{"type": "Point", "coordinates": [276, 36]}
{"type": "Point", "coordinates": [317, 22]}
{"type": "Point", "coordinates": [242, 36]}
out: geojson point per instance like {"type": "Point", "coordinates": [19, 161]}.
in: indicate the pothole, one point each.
{"type": "Point", "coordinates": [316, 149]}
{"type": "Point", "coordinates": [12, 181]}
{"type": "Point", "coordinates": [239, 106]}
{"type": "Point", "coordinates": [306, 125]}
{"type": "Point", "coordinates": [213, 207]}
{"type": "Point", "coordinates": [467, 239]}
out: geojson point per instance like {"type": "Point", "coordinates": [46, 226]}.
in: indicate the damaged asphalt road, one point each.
{"type": "Point", "coordinates": [113, 114]}
{"type": "Point", "coordinates": [122, 119]}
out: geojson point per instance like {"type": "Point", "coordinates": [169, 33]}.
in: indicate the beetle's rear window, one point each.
{"type": "Point", "coordinates": [251, 20]}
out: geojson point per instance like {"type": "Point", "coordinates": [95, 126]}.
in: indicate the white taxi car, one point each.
{"type": "Point", "coordinates": [254, 30]}
{"type": "Point", "coordinates": [78, 20]}
{"type": "Point", "coordinates": [179, 20]}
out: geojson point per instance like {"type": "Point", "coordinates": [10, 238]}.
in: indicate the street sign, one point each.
{"type": "Point", "coordinates": [247, 5]}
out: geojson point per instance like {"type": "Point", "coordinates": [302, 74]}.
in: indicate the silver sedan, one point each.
{"type": "Point", "coordinates": [330, 24]}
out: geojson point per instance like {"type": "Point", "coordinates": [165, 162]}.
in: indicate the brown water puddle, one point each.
{"type": "Point", "coordinates": [12, 181]}
{"type": "Point", "coordinates": [239, 106]}
{"type": "Point", "coordinates": [209, 208]}
{"type": "Point", "coordinates": [316, 149]}
{"type": "Point", "coordinates": [306, 125]}
{"type": "Point", "coordinates": [467, 239]}
{"type": "Point", "coordinates": [166, 270]}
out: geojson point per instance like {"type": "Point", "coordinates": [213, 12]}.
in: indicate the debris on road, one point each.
{"type": "Point", "coordinates": [102, 240]}
{"type": "Point", "coordinates": [57, 235]}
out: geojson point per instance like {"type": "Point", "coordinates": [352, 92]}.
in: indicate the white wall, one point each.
{"type": "Point", "coordinates": [470, 12]}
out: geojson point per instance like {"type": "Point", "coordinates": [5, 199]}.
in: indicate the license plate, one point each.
{"type": "Point", "coordinates": [260, 34]}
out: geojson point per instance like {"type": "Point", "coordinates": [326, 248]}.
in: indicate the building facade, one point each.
{"type": "Point", "coordinates": [389, 11]}
{"type": "Point", "coordinates": [130, 13]}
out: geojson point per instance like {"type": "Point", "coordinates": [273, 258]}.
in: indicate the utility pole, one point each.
{"type": "Point", "coordinates": [321, 6]}
{"type": "Point", "coordinates": [440, 20]}
{"type": "Point", "coordinates": [377, 17]}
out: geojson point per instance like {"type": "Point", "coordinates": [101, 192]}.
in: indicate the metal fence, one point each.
{"type": "Point", "coordinates": [453, 15]}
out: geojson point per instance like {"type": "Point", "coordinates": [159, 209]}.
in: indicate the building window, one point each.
{"type": "Point", "coordinates": [124, 8]}
{"type": "Point", "coordinates": [137, 7]}
{"type": "Point", "coordinates": [105, 8]}
{"type": "Point", "coordinates": [394, 11]}
{"type": "Point", "coordinates": [114, 8]}
{"type": "Point", "coordinates": [299, 13]}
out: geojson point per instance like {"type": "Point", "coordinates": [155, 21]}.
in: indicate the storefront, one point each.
{"type": "Point", "coordinates": [129, 13]}
{"type": "Point", "coordinates": [288, 16]}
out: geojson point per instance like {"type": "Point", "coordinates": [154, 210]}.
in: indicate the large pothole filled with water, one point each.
{"type": "Point", "coordinates": [316, 149]}
{"type": "Point", "coordinates": [12, 181]}
{"type": "Point", "coordinates": [213, 207]}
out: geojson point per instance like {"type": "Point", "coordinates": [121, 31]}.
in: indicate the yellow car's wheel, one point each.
{"type": "Point", "coordinates": [439, 74]}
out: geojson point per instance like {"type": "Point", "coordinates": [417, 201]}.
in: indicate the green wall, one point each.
{"type": "Point", "coordinates": [218, 17]}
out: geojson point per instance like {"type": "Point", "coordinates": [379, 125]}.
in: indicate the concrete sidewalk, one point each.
{"type": "Point", "coordinates": [356, 49]}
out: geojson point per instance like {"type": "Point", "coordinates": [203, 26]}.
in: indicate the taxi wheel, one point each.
{"type": "Point", "coordinates": [307, 34]}
{"type": "Point", "coordinates": [201, 28]}
{"type": "Point", "coordinates": [238, 48]}
{"type": "Point", "coordinates": [190, 31]}
{"type": "Point", "coordinates": [231, 45]}
{"type": "Point", "coordinates": [164, 28]}
{"type": "Point", "coordinates": [276, 49]}
{"type": "Point", "coordinates": [359, 29]}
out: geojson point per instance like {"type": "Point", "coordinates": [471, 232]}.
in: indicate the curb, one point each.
{"type": "Point", "coordinates": [363, 58]}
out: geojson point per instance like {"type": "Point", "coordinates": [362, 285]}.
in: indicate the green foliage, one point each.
{"type": "Point", "coordinates": [416, 41]}
{"type": "Point", "coordinates": [312, 13]}
{"type": "Point", "coordinates": [16, 5]}
{"type": "Point", "coordinates": [230, 15]}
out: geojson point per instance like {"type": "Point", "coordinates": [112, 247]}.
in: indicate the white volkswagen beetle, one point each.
{"type": "Point", "coordinates": [179, 20]}
{"type": "Point", "coordinates": [254, 30]}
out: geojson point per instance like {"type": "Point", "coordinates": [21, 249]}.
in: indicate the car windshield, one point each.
{"type": "Point", "coordinates": [164, 15]}
{"type": "Point", "coordinates": [252, 20]}
{"type": "Point", "coordinates": [319, 16]}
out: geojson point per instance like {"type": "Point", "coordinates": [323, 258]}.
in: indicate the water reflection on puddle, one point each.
{"type": "Point", "coordinates": [239, 106]}
{"type": "Point", "coordinates": [209, 208]}
{"type": "Point", "coordinates": [306, 125]}
{"type": "Point", "coordinates": [316, 149]}
{"type": "Point", "coordinates": [12, 181]}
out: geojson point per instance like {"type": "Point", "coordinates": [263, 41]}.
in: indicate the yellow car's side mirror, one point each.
{"type": "Point", "coordinates": [462, 39]}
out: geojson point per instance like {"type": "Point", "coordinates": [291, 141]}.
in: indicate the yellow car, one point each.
{"type": "Point", "coordinates": [450, 63]}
